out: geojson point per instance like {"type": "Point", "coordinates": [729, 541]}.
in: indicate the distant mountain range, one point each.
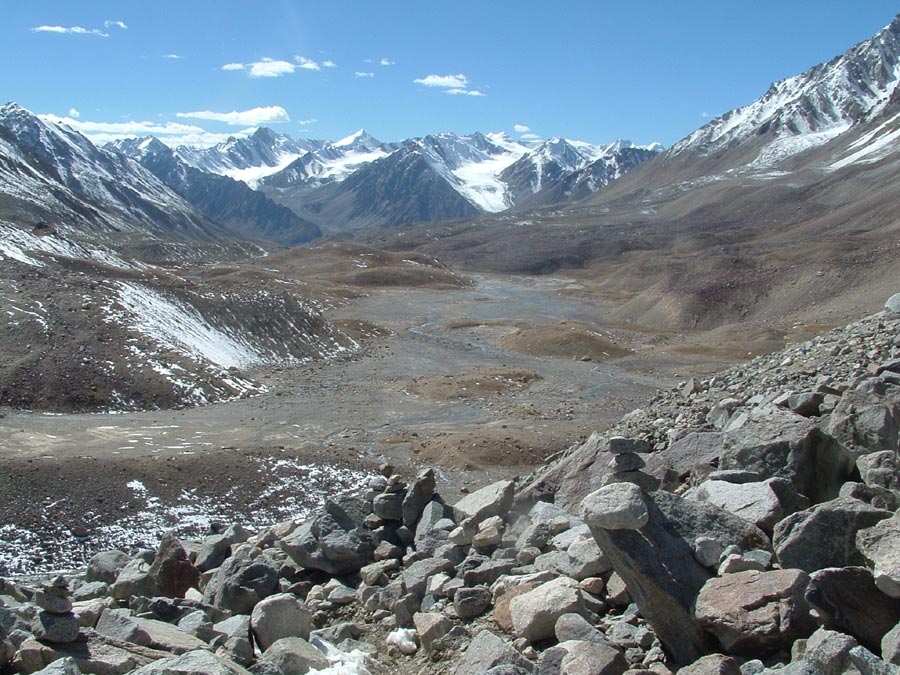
{"type": "Point", "coordinates": [839, 118]}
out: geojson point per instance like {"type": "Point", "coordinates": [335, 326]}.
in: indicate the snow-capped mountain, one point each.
{"type": "Point", "coordinates": [51, 173]}
{"type": "Point", "coordinates": [249, 159]}
{"type": "Point", "coordinates": [231, 202]}
{"type": "Point", "coordinates": [561, 169]}
{"type": "Point", "coordinates": [808, 110]}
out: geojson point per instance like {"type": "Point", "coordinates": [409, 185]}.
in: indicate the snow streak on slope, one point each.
{"type": "Point", "coordinates": [17, 244]}
{"type": "Point", "coordinates": [252, 175]}
{"type": "Point", "coordinates": [873, 145]}
{"type": "Point", "coordinates": [181, 328]}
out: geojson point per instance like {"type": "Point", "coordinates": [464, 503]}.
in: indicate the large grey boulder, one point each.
{"type": "Point", "coordinates": [848, 601]}
{"type": "Point", "coordinates": [55, 628]}
{"type": "Point", "coordinates": [486, 651]}
{"type": "Point", "coordinates": [172, 571]}
{"type": "Point", "coordinates": [618, 506]}
{"type": "Point", "coordinates": [335, 542]}
{"type": "Point", "coordinates": [762, 503]}
{"type": "Point", "coordinates": [712, 664]}
{"type": "Point", "coordinates": [867, 419]}
{"type": "Point", "coordinates": [534, 614]}
{"type": "Point", "coordinates": [829, 651]}
{"type": "Point", "coordinates": [280, 616]}
{"type": "Point", "coordinates": [662, 574]}
{"type": "Point", "coordinates": [293, 656]}
{"type": "Point", "coordinates": [775, 442]}
{"type": "Point", "coordinates": [825, 534]}
{"type": "Point", "coordinates": [880, 546]}
{"type": "Point", "coordinates": [214, 550]}
{"type": "Point", "coordinates": [105, 566]}
{"type": "Point", "coordinates": [693, 454]}
{"type": "Point", "coordinates": [120, 625]}
{"type": "Point", "coordinates": [65, 666]}
{"type": "Point", "coordinates": [239, 583]}
{"type": "Point", "coordinates": [491, 500]}
{"type": "Point", "coordinates": [890, 646]}
{"type": "Point", "coordinates": [133, 579]}
{"type": "Point", "coordinates": [880, 469]}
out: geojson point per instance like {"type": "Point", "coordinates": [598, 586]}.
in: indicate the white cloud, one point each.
{"type": "Point", "coordinates": [359, 73]}
{"type": "Point", "coordinates": [115, 24]}
{"type": "Point", "coordinates": [521, 128]}
{"type": "Point", "coordinates": [307, 64]}
{"type": "Point", "coordinates": [706, 115]}
{"type": "Point", "coordinates": [307, 122]}
{"type": "Point", "coordinates": [271, 68]}
{"type": "Point", "coordinates": [70, 30]}
{"type": "Point", "coordinates": [172, 134]}
{"type": "Point", "coordinates": [274, 114]}
{"type": "Point", "coordinates": [448, 81]}
{"type": "Point", "coordinates": [329, 64]}
{"type": "Point", "coordinates": [176, 56]}
{"type": "Point", "coordinates": [73, 113]}
{"type": "Point", "coordinates": [530, 137]}
{"type": "Point", "coordinates": [233, 66]}
{"type": "Point", "coordinates": [386, 61]}
{"type": "Point", "coordinates": [456, 91]}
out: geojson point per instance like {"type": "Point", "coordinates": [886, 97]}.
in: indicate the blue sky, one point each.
{"type": "Point", "coordinates": [594, 70]}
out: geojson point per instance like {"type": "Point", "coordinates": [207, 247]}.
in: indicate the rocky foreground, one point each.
{"type": "Point", "coordinates": [743, 524]}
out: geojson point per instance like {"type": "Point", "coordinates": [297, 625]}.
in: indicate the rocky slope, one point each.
{"type": "Point", "coordinates": [747, 523]}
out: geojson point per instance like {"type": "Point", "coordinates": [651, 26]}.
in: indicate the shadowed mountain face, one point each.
{"type": "Point", "coordinates": [247, 212]}
{"type": "Point", "coordinates": [53, 175]}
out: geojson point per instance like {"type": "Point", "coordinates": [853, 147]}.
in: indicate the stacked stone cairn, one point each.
{"type": "Point", "coordinates": [744, 524]}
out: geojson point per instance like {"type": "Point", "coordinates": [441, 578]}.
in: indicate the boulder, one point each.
{"type": "Point", "coordinates": [890, 646]}
{"type": "Point", "coordinates": [335, 545]}
{"type": "Point", "coordinates": [55, 628]}
{"type": "Point", "coordinates": [756, 614]}
{"type": "Point", "coordinates": [105, 566]}
{"type": "Point", "coordinates": [239, 583]}
{"type": "Point", "coordinates": [880, 546]}
{"type": "Point", "coordinates": [658, 565]}
{"type": "Point", "coordinates": [417, 496]}
{"type": "Point", "coordinates": [471, 602]}
{"type": "Point", "coordinates": [486, 651]}
{"type": "Point", "coordinates": [867, 419]}
{"type": "Point", "coordinates": [171, 570]}
{"type": "Point", "coordinates": [430, 626]}
{"type": "Point", "coordinates": [892, 305]}
{"type": "Point", "coordinates": [762, 503]}
{"type": "Point", "coordinates": [828, 652]}
{"type": "Point", "coordinates": [825, 535]}
{"type": "Point", "coordinates": [576, 627]}
{"type": "Point", "coordinates": [119, 624]}
{"type": "Point", "coordinates": [293, 656]}
{"type": "Point", "coordinates": [880, 469]}
{"type": "Point", "coordinates": [65, 666]}
{"type": "Point", "coordinates": [491, 500]}
{"type": "Point", "coordinates": [213, 552]}
{"type": "Point", "coordinates": [775, 442]}
{"type": "Point", "coordinates": [534, 614]}
{"type": "Point", "coordinates": [388, 505]}
{"type": "Point", "coordinates": [848, 601]}
{"type": "Point", "coordinates": [133, 579]}
{"type": "Point", "coordinates": [280, 616]}
{"type": "Point", "coordinates": [618, 506]}
{"type": "Point", "coordinates": [584, 658]}
{"type": "Point", "coordinates": [695, 453]}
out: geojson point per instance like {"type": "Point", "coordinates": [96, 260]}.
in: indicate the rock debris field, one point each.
{"type": "Point", "coordinates": [744, 523]}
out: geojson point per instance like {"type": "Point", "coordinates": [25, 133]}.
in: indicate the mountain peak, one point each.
{"type": "Point", "coordinates": [360, 139]}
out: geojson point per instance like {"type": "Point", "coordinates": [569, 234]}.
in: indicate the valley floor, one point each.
{"type": "Point", "coordinates": [482, 381]}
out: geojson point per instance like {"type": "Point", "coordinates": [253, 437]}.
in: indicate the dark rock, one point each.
{"type": "Point", "coordinates": [471, 602]}
{"type": "Point", "coordinates": [486, 651]}
{"type": "Point", "coordinates": [172, 571]}
{"type": "Point", "coordinates": [417, 496]}
{"type": "Point", "coordinates": [240, 583]}
{"type": "Point", "coordinates": [849, 602]}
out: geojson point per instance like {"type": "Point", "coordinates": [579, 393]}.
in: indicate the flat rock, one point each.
{"type": "Point", "coordinates": [619, 506]}
{"type": "Point", "coordinates": [867, 418]}
{"type": "Point", "coordinates": [712, 664]}
{"type": "Point", "coordinates": [105, 566]}
{"type": "Point", "coordinates": [585, 658]}
{"type": "Point", "coordinates": [192, 663]}
{"type": "Point", "coordinates": [762, 503]}
{"type": "Point", "coordinates": [55, 628]}
{"type": "Point", "coordinates": [239, 583]}
{"type": "Point", "coordinates": [293, 656]}
{"type": "Point", "coordinates": [754, 614]}
{"type": "Point", "coordinates": [486, 651]}
{"type": "Point", "coordinates": [491, 500]}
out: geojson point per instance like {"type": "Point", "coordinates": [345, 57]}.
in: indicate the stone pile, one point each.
{"type": "Point", "coordinates": [743, 524]}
